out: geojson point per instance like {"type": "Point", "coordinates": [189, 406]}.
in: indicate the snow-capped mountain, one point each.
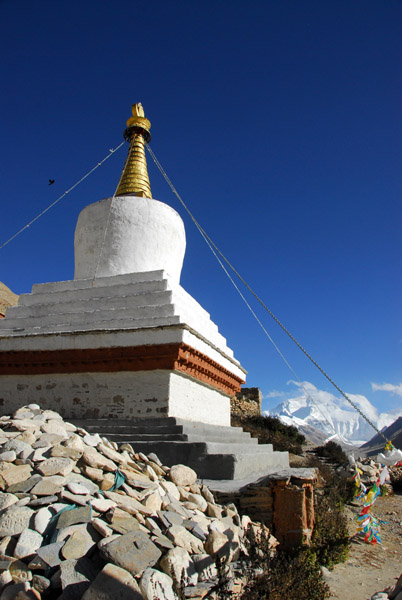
{"type": "Point", "coordinates": [333, 415]}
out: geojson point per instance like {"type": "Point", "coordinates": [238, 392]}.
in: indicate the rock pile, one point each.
{"type": "Point", "coordinates": [82, 518]}
{"type": "Point", "coordinates": [370, 470]}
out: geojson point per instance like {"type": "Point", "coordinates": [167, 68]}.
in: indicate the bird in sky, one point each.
{"type": "Point", "coordinates": [51, 181]}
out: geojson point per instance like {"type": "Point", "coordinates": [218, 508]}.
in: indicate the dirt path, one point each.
{"type": "Point", "coordinates": [371, 569]}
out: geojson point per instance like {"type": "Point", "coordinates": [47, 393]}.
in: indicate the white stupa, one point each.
{"type": "Point", "coordinates": [123, 339]}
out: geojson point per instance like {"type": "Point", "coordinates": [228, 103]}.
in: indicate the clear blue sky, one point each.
{"type": "Point", "coordinates": [279, 124]}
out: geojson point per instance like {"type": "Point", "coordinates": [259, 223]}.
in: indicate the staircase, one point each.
{"type": "Point", "coordinates": [213, 451]}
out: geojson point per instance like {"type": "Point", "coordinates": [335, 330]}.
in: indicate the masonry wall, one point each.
{"type": "Point", "coordinates": [247, 403]}
{"type": "Point", "coordinates": [285, 506]}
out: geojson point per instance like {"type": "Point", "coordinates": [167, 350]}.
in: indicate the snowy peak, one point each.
{"type": "Point", "coordinates": [332, 415]}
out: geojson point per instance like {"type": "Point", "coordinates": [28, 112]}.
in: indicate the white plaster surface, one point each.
{"type": "Point", "coordinates": [139, 303]}
{"type": "Point", "coordinates": [142, 234]}
{"type": "Point", "coordinates": [190, 400]}
{"type": "Point", "coordinates": [148, 394]}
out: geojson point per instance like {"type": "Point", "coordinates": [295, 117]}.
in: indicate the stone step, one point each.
{"type": "Point", "coordinates": [99, 282]}
{"type": "Point", "coordinates": [198, 445]}
{"type": "Point", "coordinates": [133, 301]}
{"type": "Point", "coordinates": [95, 325]}
{"type": "Point", "coordinates": [192, 431]}
{"type": "Point", "coordinates": [218, 461]}
{"type": "Point", "coordinates": [117, 290]}
{"type": "Point", "coordinates": [95, 316]}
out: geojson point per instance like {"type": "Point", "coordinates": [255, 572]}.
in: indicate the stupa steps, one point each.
{"type": "Point", "coordinates": [74, 294]}
{"type": "Point", "coordinates": [214, 451]}
{"type": "Point", "coordinates": [133, 301]}
{"type": "Point", "coordinates": [100, 282]}
{"type": "Point", "coordinates": [101, 309]}
{"type": "Point", "coordinates": [163, 429]}
{"type": "Point", "coordinates": [96, 316]}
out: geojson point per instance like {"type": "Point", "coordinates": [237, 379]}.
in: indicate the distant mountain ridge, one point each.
{"type": "Point", "coordinates": [328, 414]}
{"type": "Point", "coordinates": [392, 433]}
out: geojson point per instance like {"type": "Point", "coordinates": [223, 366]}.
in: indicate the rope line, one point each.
{"type": "Point", "coordinates": [206, 237]}
{"type": "Point", "coordinates": [308, 395]}
{"type": "Point", "coordinates": [99, 164]}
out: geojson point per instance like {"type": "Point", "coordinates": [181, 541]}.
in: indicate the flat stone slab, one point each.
{"type": "Point", "coordinates": [111, 583]}
{"type": "Point", "coordinates": [133, 551]}
{"type": "Point", "coordinates": [74, 516]}
{"type": "Point", "coordinates": [14, 520]}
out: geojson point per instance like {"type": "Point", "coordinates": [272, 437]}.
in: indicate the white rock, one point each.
{"type": "Point", "coordinates": [92, 440]}
{"type": "Point", "coordinates": [178, 561]}
{"type": "Point", "coordinates": [182, 475]}
{"type": "Point", "coordinates": [199, 501]}
{"type": "Point", "coordinates": [42, 518]}
{"type": "Point", "coordinates": [9, 456]}
{"type": "Point", "coordinates": [183, 538]}
{"type": "Point", "coordinates": [7, 500]}
{"type": "Point", "coordinates": [155, 584]}
{"type": "Point", "coordinates": [102, 504]}
{"type": "Point", "coordinates": [101, 527]}
{"type": "Point", "coordinates": [170, 488]}
{"type": "Point", "coordinates": [55, 427]}
{"type": "Point", "coordinates": [28, 543]}
{"type": "Point", "coordinates": [78, 488]}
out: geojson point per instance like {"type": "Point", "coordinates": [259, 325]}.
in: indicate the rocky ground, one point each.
{"type": "Point", "coordinates": [82, 518]}
{"type": "Point", "coordinates": [371, 569]}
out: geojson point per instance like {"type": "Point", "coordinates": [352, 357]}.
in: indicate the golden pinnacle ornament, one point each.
{"type": "Point", "coordinates": [134, 180]}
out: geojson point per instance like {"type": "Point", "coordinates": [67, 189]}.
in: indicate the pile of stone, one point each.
{"type": "Point", "coordinates": [82, 518]}
{"type": "Point", "coordinates": [392, 593]}
{"type": "Point", "coordinates": [370, 470]}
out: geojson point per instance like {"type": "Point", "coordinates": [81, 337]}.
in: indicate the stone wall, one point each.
{"type": "Point", "coordinates": [247, 403]}
{"type": "Point", "coordinates": [283, 501]}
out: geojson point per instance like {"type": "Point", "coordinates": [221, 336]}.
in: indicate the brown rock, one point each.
{"type": "Point", "coordinates": [121, 522]}
{"type": "Point", "coordinates": [215, 542]}
{"type": "Point", "coordinates": [56, 466]}
{"type": "Point", "coordinates": [131, 505]}
{"type": "Point", "coordinates": [113, 583]}
{"type": "Point", "coordinates": [132, 551]}
{"type": "Point", "coordinates": [11, 474]}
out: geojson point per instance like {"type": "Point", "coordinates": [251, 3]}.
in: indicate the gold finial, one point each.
{"type": "Point", "coordinates": [134, 180]}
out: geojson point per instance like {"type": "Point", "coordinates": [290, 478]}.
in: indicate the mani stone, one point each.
{"type": "Point", "coordinates": [10, 474]}
{"type": "Point", "coordinates": [25, 486]}
{"type": "Point", "coordinates": [131, 505]}
{"type": "Point", "coordinates": [14, 520]}
{"type": "Point", "coordinates": [132, 551]}
{"type": "Point", "coordinates": [114, 583]}
{"type": "Point", "coordinates": [8, 456]}
{"type": "Point", "coordinates": [42, 518]}
{"type": "Point", "coordinates": [76, 576]}
{"type": "Point", "coordinates": [155, 584]}
{"type": "Point", "coordinates": [183, 538]}
{"type": "Point", "coordinates": [76, 546]}
{"type": "Point", "coordinates": [177, 562]}
{"type": "Point", "coordinates": [46, 487]}
{"type": "Point", "coordinates": [56, 466]}
{"type": "Point", "coordinates": [73, 516]}
{"type": "Point", "coordinates": [7, 500]}
{"type": "Point", "coordinates": [122, 522]}
{"type": "Point", "coordinates": [50, 554]}
{"type": "Point", "coordinates": [28, 543]}
{"type": "Point", "coordinates": [182, 475]}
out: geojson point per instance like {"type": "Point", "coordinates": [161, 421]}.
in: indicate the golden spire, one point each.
{"type": "Point", "coordinates": [134, 180]}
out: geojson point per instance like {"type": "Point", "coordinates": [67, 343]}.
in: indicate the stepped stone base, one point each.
{"type": "Point", "coordinates": [214, 452]}
{"type": "Point", "coordinates": [124, 346]}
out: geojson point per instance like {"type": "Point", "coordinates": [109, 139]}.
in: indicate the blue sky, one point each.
{"type": "Point", "coordinates": [279, 124]}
